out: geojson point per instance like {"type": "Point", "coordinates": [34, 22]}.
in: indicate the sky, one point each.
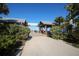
{"type": "Point", "coordinates": [36, 12]}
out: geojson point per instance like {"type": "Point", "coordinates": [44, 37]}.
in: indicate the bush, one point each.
{"type": "Point", "coordinates": [56, 32]}
{"type": "Point", "coordinates": [9, 35]}
{"type": "Point", "coordinates": [72, 37]}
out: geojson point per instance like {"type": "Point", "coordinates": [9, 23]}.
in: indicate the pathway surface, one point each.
{"type": "Point", "coordinates": [41, 45]}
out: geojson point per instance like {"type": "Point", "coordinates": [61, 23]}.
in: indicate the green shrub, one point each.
{"type": "Point", "coordinates": [9, 34]}
{"type": "Point", "coordinates": [56, 32]}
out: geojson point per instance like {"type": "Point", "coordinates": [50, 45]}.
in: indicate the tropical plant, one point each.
{"type": "Point", "coordinates": [10, 35]}
{"type": "Point", "coordinates": [56, 32]}
{"type": "Point", "coordinates": [73, 9]}
{"type": "Point", "coordinates": [4, 8]}
{"type": "Point", "coordinates": [73, 13]}
{"type": "Point", "coordinates": [59, 20]}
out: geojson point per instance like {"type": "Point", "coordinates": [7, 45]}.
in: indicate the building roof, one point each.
{"type": "Point", "coordinates": [11, 20]}
{"type": "Point", "coordinates": [46, 23]}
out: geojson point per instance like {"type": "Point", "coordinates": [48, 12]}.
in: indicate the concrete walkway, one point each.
{"type": "Point", "coordinates": [41, 45]}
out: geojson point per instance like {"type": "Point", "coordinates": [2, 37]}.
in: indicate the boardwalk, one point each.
{"type": "Point", "coordinates": [41, 45]}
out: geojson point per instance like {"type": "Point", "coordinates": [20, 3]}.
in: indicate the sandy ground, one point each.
{"type": "Point", "coordinates": [41, 45]}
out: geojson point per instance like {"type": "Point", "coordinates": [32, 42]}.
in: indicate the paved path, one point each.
{"type": "Point", "coordinates": [41, 45]}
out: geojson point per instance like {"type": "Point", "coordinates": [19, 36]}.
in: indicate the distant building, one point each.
{"type": "Point", "coordinates": [44, 26]}
{"type": "Point", "coordinates": [13, 21]}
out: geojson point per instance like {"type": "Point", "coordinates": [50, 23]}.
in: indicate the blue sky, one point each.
{"type": "Point", "coordinates": [36, 12]}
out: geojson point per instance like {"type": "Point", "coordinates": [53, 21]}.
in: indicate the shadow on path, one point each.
{"type": "Point", "coordinates": [29, 38]}
{"type": "Point", "coordinates": [19, 50]}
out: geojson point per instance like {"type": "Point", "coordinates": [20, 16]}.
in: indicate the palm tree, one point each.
{"type": "Point", "coordinates": [4, 8]}
{"type": "Point", "coordinates": [59, 20]}
{"type": "Point", "coordinates": [73, 10]}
